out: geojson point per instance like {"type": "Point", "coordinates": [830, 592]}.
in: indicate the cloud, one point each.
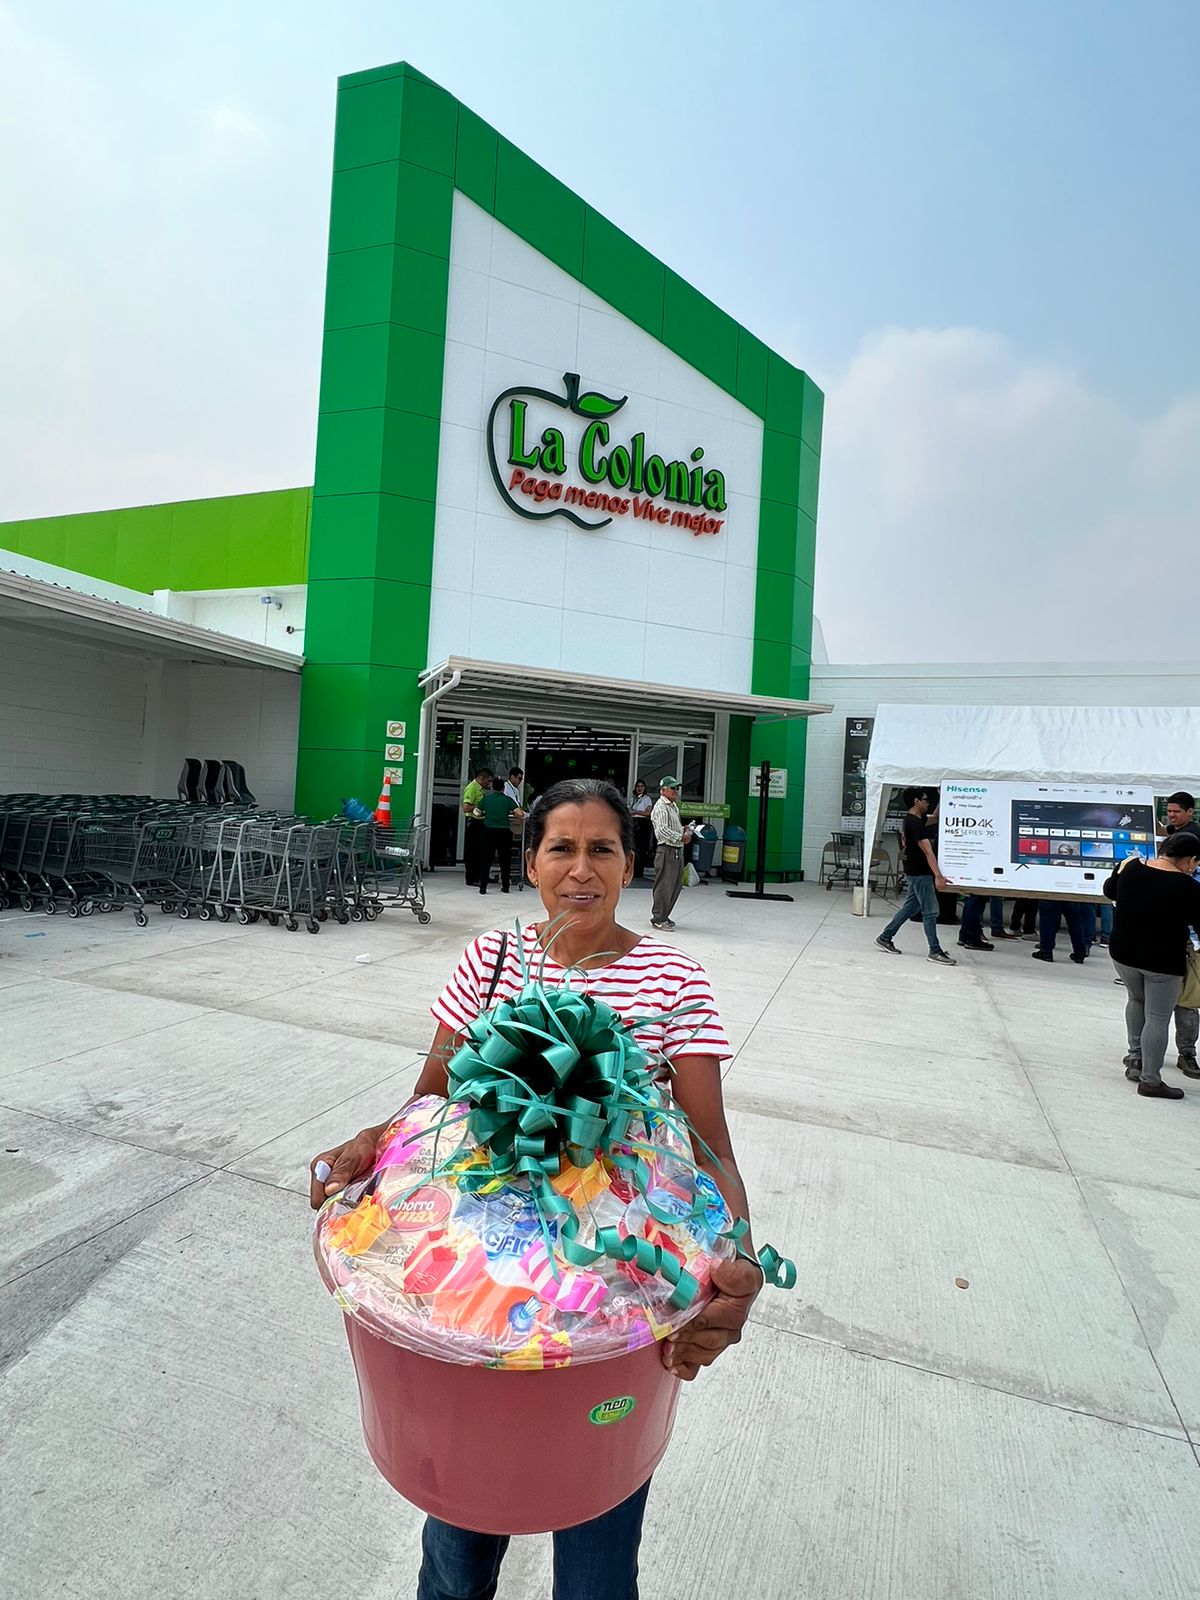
{"type": "Point", "coordinates": [980, 506]}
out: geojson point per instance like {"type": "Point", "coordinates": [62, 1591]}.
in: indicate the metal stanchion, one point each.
{"type": "Point", "coordinates": [760, 866]}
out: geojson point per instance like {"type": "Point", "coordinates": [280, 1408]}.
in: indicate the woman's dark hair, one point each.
{"type": "Point", "coordinates": [1181, 846]}
{"type": "Point", "coordinates": [497, 785]}
{"type": "Point", "coordinates": [577, 792]}
{"type": "Point", "coordinates": [639, 783]}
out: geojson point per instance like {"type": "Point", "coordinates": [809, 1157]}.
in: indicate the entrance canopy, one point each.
{"type": "Point", "coordinates": [51, 608]}
{"type": "Point", "coordinates": [1149, 747]}
{"type": "Point", "coordinates": [547, 693]}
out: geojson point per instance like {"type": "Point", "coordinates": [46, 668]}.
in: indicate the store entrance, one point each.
{"type": "Point", "coordinates": [555, 753]}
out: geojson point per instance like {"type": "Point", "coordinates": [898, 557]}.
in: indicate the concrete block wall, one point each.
{"type": "Point", "coordinates": [80, 719]}
{"type": "Point", "coordinates": [238, 714]}
{"type": "Point", "coordinates": [857, 691]}
{"type": "Point", "coordinates": [71, 716]}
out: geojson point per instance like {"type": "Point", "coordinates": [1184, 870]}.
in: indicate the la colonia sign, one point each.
{"type": "Point", "coordinates": [537, 441]}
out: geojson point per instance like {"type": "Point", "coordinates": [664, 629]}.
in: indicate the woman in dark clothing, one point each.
{"type": "Point", "coordinates": [1155, 904]}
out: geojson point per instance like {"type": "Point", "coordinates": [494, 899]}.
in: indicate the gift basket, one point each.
{"type": "Point", "coordinates": [511, 1265]}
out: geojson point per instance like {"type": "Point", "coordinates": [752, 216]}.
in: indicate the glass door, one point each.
{"type": "Point", "coordinates": [498, 746]}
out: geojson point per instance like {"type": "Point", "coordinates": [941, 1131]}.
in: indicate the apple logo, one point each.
{"type": "Point", "coordinates": [532, 485]}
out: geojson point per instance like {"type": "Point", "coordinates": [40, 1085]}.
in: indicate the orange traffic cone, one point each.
{"type": "Point", "coordinates": [383, 811]}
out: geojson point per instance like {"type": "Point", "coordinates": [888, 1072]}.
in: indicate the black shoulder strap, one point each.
{"type": "Point", "coordinates": [501, 954]}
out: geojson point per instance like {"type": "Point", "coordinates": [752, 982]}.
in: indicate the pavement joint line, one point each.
{"type": "Point", "coordinates": [366, 1088]}
{"type": "Point", "coordinates": [1181, 1438]}
{"type": "Point", "coordinates": [1100, 1239]}
{"type": "Point", "coordinates": [774, 995]}
{"type": "Point", "coordinates": [174, 1155]}
{"type": "Point", "coordinates": [120, 1222]}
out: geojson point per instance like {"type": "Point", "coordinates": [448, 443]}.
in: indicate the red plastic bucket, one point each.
{"type": "Point", "coordinates": [513, 1452]}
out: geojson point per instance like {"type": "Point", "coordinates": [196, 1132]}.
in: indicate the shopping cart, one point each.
{"type": "Point", "coordinates": [283, 873]}
{"type": "Point", "coordinates": [134, 862]}
{"type": "Point", "coordinates": [391, 871]}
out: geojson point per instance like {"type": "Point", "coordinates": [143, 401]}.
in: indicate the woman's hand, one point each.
{"type": "Point", "coordinates": [719, 1325]}
{"type": "Point", "coordinates": [345, 1162]}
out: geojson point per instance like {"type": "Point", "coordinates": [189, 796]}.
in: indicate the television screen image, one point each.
{"type": "Point", "coordinates": [1080, 833]}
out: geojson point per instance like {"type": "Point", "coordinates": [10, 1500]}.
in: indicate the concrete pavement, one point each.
{"type": "Point", "coordinates": [178, 1413]}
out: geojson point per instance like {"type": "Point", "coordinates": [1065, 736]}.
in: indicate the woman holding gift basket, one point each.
{"type": "Point", "coordinates": [571, 1105]}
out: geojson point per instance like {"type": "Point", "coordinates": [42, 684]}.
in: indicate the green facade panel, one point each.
{"type": "Point", "coordinates": [620, 271]}
{"type": "Point", "coordinates": [402, 147]}
{"type": "Point", "coordinates": [543, 211]}
{"type": "Point", "coordinates": [476, 158]}
{"type": "Point", "coordinates": [231, 542]}
{"type": "Point", "coordinates": [700, 332]}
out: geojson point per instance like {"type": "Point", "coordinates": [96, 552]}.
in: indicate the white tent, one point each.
{"type": "Point", "coordinates": [1149, 747]}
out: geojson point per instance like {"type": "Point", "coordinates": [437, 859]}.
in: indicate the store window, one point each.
{"type": "Point", "coordinates": [655, 762]}
{"type": "Point", "coordinates": [694, 768]}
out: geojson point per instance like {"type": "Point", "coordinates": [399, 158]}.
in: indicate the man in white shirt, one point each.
{"type": "Point", "coordinates": [670, 838]}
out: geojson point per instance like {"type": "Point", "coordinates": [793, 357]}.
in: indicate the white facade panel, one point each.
{"type": "Point", "coordinates": [508, 588]}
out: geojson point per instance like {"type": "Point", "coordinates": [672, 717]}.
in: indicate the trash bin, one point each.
{"type": "Point", "coordinates": [704, 847]}
{"type": "Point", "coordinates": [733, 853]}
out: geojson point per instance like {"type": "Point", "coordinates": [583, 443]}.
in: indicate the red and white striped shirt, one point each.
{"type": "Point", "coordinates": [654, 977]}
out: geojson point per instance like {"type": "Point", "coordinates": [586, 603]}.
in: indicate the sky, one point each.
{"type": "Point", "coordinates": [975, 226]}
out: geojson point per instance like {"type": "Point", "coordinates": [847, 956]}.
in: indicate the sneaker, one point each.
{"type": "Point", "coordinates": [886, 944]}
{"type": "Point", "coordinates": [941, 958]}
{"type": "Point", "coordinates": [1043, 955]}
{"type": "Point", "coordinates": [663, 927]}
{"type": "Point", "coordinates": [1133, 1067]}
{"type": "Point", "coordinates": [975, 944]}
{"type": "Point", "coordinates": [1078, 960]}
{"type": "Point", "coordinates": [1188, 1065]}
{"type": "Point", "coordinates": [1160, 1091]}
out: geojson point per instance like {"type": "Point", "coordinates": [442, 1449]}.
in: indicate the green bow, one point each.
{"type": "Point", "coordinates": [556, 1075]}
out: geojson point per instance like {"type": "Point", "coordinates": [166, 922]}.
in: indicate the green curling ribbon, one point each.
{"type": "Point", "coordinates": [555, 1075]}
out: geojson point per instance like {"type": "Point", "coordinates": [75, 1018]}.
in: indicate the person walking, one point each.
{"type": "Point", "coordinates": [970, 935]}
{"type": "Point", "coordinates": [1181, 818]}
{"type": "Point", "coordinates": [670, 836]}
{"type": "Point", "coordinates": [472, 800]}
{"type": "Point", "coordinates": [1155, 904]}
{"type": "Point", "coordinates": [925, 879]}
{"type": "Point", "coordinates": [498, 811]}
{"type": "Point", "coordinates": [1181, 814]}
{"type": "Point", "coordinates": [1080, 920]}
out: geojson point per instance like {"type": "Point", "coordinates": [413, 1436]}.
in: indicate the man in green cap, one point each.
{"type": "Point", "coordinates": [670, 838]}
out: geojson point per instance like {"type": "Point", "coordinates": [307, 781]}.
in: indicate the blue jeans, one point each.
{"type": "Point", "coordinates": [597, 1560]}
{"type": "Point", "coordinates": [922, 897]}
{"type": "Point", "coordinates": [970, 928]}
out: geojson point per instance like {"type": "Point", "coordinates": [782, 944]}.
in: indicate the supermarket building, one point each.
{"type": "Point", "coordinates": [563, 516]}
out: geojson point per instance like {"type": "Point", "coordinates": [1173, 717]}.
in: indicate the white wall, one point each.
{"type": "Point", "coordinates": [857, 691]}
{"type": "Point", "coordinates": [71, 716]}
{"type": "Point", "coordinates": [78, 719]}
{"type": "Point", "coordinates": [251, 716]}
{"type": "Point", "coordinates": [630, 600]}
{"type": "Point", "coordinates": [241, 613]}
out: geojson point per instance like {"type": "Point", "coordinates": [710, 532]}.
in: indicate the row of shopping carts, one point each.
{"type": "Point", "coordinates": [82, 854]}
